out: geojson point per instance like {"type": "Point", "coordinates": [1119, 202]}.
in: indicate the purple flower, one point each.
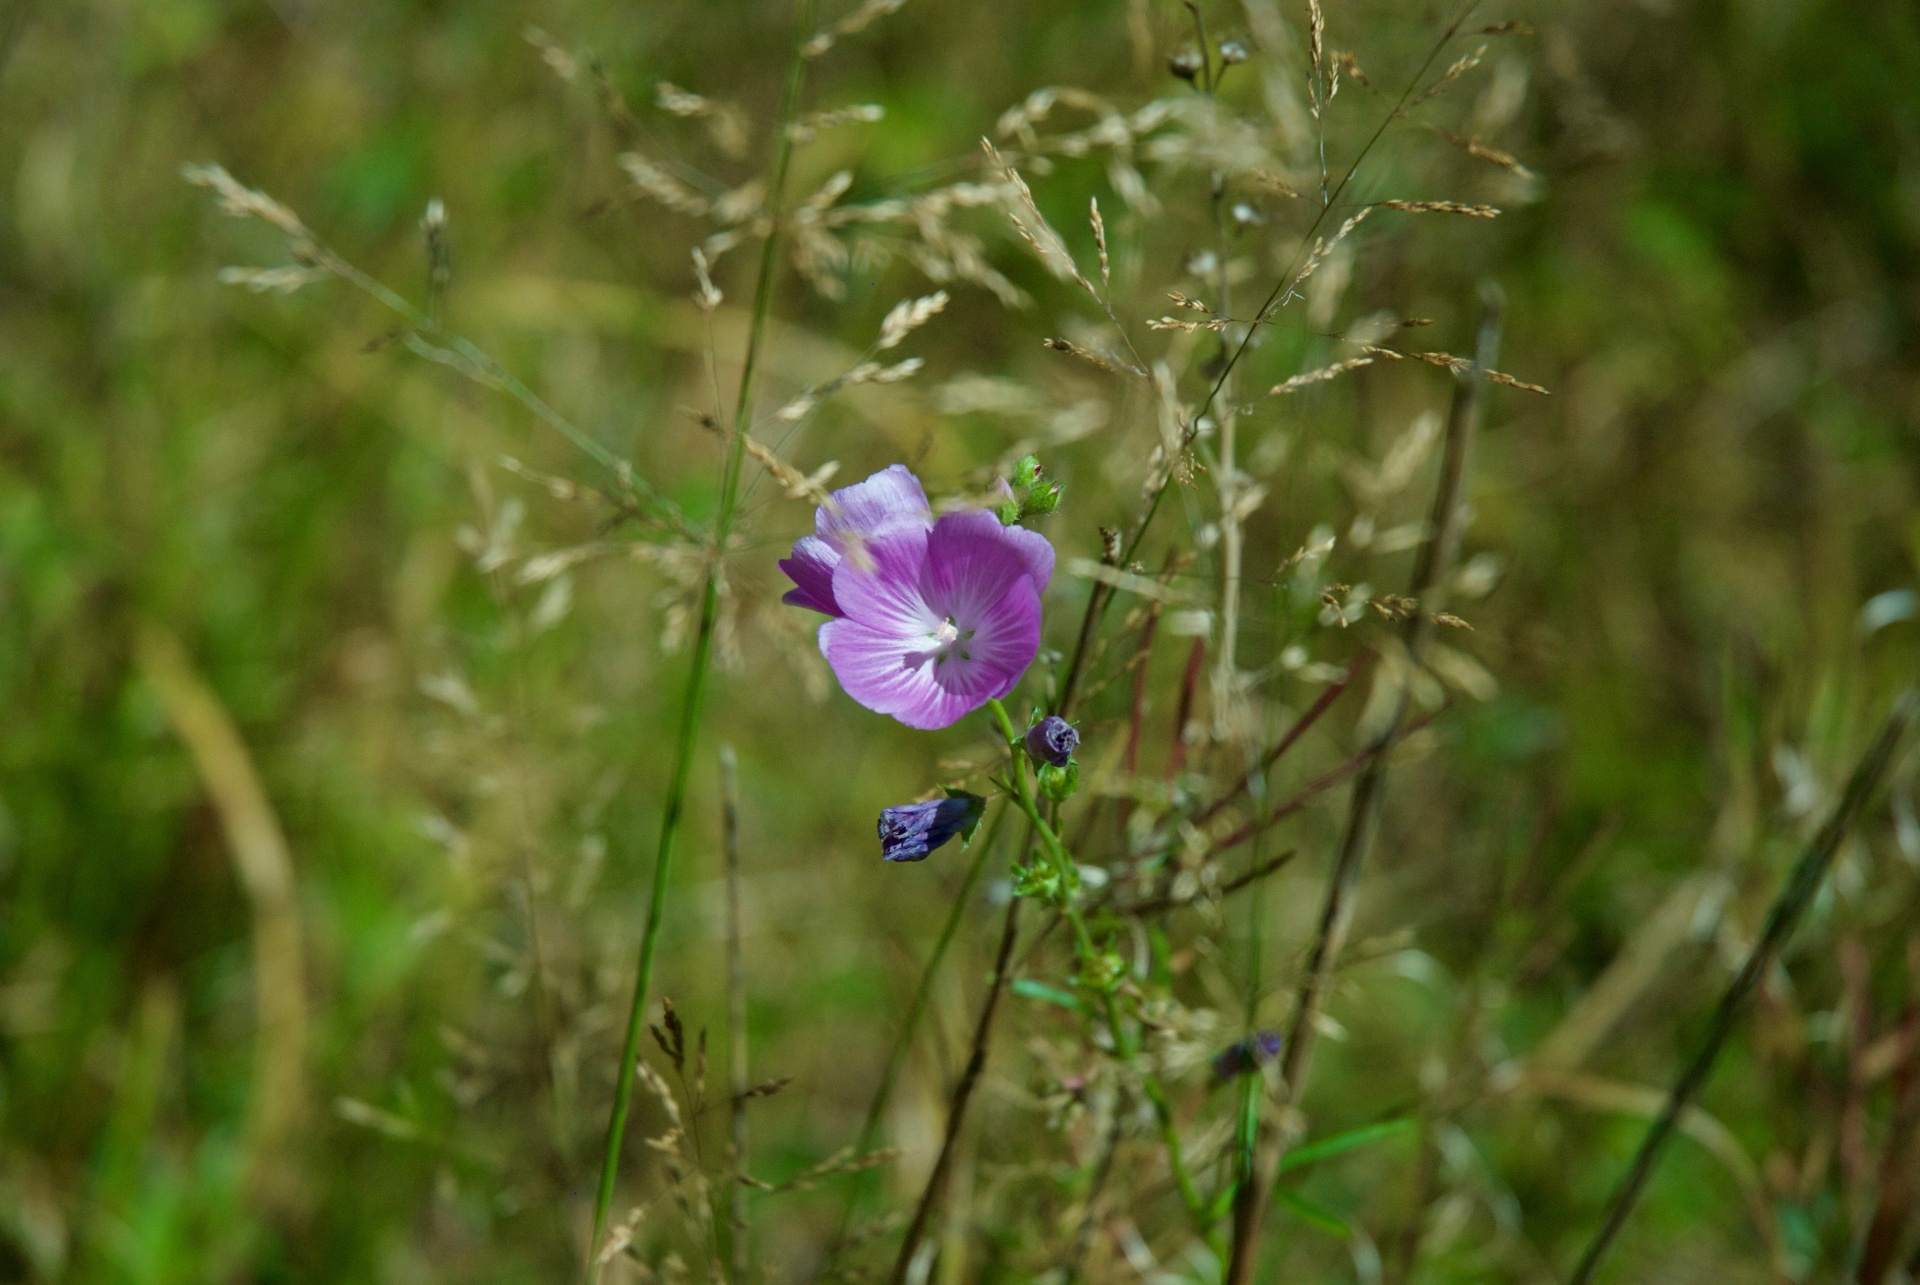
{"type": "Point", "coordinates": [931, 619]}
{"type": "Point", "coordinates": [912, 830]}
{"type": "Point", "coordinates": [850, 516]}
{"type": "Point", "coordinates": [1052, 740]}
{"type": "Point", "coordinates": [1247, 1055]}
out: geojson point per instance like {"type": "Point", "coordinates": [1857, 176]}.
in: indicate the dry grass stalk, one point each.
{"type": "Point", "coordinates": [1100, 242]}
{"type": "Point", "coordinates": [1084, 354]}
{"type": "Point", "coordinates": [1458, 365]}
{"type": "Point", "coordinates": [1319, 376]}
{"type": "Point", "coordinates": [1443, 207]}
{"type": "Point", "coordinates": [812, 125]}
{"type": "Point", "coordinates": [1460, 67]}
{"type": "Point", "coordinates": [1033, 226]}
{"type": "Point", "coordinates": [859, 20]}
{"type": "Point", "coordinates": [1481, 150]}
{"type": "Point", "coordinates": [277, 1098]}
{"type": "Point", "coordinates": [907, 316]}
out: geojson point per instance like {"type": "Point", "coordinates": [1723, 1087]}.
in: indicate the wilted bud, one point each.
{"type": "Point", "coordinates": [1187, 64]}
{"type": "Point", "coordinates": [1052, 740]}
{"type": "Point", "coordinates": [912, 830]}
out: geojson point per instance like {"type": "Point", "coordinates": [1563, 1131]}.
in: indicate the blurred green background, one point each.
{"type": "Point", "coordinates": [1713, 268]}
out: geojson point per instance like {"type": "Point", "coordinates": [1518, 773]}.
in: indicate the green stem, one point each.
{"type": "Point", "coordinates": [696, 689]}
{"type": "Point", "coordinates": [1123, 1044]}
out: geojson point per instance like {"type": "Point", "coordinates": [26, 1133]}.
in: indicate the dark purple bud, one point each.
{"type": "Point", "coordinates": [1052, 740]}
{"type": "Point", "coordinates": [1248, 1055]}
{"type": "Point", "coordinates": [912, 830]}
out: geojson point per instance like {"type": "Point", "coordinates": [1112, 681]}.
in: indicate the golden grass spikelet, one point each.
{"type": "Point", "coordinates": [563, 64]}
{"type": "Point", "coordinates": [281, 281]}
{"type": "Point", "coordinates": [1483, 151]}
{"type": "Point", "coordinates": [1185, 326]}
{"type": "Point", "coordinates": [1319, 376]}
{"type": "Point", "coordinates": [1034, 228]}
{"type": "Point", "coordinates": [1460, 67]}
{"type": "Point", "coordinates": [1084, 354]}
{"type": "Point", "coordinates": [1443, 207]}
{"type": "Point", "coordinates": [812, 125]}
{"type": "Point", "coordinates": [907, 316]}
{"type": "Point", "coordinates": [663, 187]}
{"type": "Point", "coordinates": [1100, 242]}
{"type": "Point", "coordinates": [1458, 365]}
{"type": "Point", "coordinates": [861, 18]}
{"type": "Point", "coordinates": [243, 202]}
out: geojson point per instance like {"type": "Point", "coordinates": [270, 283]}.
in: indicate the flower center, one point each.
{"type": "Point", "coordinates": [950, 640]}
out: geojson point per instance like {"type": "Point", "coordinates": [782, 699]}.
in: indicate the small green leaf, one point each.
{"type": "Point", "coordinates": [1311, 1214]}
{"type": "Point", "coordinates": [1300, 1157]}
{"type": "Point", "coordinates": [1027, 988]}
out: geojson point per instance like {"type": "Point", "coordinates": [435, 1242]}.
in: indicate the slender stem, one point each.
{"type": "Point", "coordinates": [695, 694]}
{"type": "Point", "coordinates": [1124, 1045]}
{"type": "Point", "coordinates": [737, 1077]}
{"type": "Point", "coordinates": [962, 1095]}
{"type": "Point", "coordinates": [1336, 918]}
{"type": "Point", "coordinates": [903, 1038]}
{"type": "Point", "coordinates": [1808, 874]}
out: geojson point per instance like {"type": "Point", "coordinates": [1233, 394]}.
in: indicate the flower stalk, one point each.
{"type": "Point", "coordinates": [694, 700]}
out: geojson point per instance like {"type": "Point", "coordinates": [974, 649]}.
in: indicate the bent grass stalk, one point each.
{"type": "Point", "coordinates": [1784, 916]}
{"type": "Point", "coordinates": [694, 700]}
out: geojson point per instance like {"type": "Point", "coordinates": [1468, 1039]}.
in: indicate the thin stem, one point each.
{"type": "Point", "coordinates": [1124, 1044]}
{"type": "Point", "coordinates": [737, 1079]}
{"type": "Point", "coordinates": [1808, 874]}
{"type": "Point", "coordinates": [1336, 918]}
{"type": "Point", "coordinates": [695, 694]}
{"type": "Point", "coordinates": [903, 1038]}
{"type": "Point", "coordinates": [962, 1095]}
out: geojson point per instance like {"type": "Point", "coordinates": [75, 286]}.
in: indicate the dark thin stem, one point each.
{"type": "Point", "coordinates": [1160, 905]}
{"type": "Point", "coordinates": [1319, 785]}
{"type": "Point", "coordinates": [1336, 918]}
{"type": "Point", "coordinates": [696, 689]}
{"type": "Point", "coordinates": [962, 1094]}
{"type": "Point", "coordinates": [903, 1038]}
{"type": "Point", "coordinates": [737, 1082]}
{"type": "Point", "coordinates": [1792, 902]}
{"type": "Point", "coordinates": [1289, 739]}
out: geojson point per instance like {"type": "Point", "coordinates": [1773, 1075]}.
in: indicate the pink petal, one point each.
{"type": "Point", "coordinates": [897, 674]}
{"type": "Point", "coordinates": [879, 671]}
{"type": "Point", "coordinates": [1004, 641]}
{"type": "Point", "coordinates": [891, 495]}
{"type": "Point", "coordinates": [878, 583]}
{"type": "Point", "coordinates": [811, 570]}
{"type": "Point", "coordinates": [1037, 551]}
{"type": "Point", "coordinates": [970, 565]}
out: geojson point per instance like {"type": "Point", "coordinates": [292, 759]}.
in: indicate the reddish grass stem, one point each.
{"type": "Point", "coordinates": [1336, 918]}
